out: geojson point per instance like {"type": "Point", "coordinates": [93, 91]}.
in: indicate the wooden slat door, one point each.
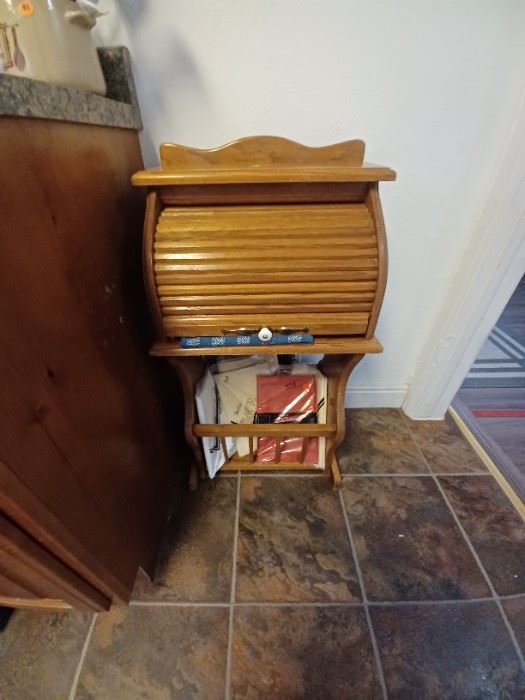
{"type": "Point", "coordinates": [295, 265]}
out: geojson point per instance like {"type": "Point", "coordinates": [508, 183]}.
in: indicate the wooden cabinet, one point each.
{"type": "Point", "coordinates": [85, 451]}
{"type": "Point", "coordinates": [260, 235]}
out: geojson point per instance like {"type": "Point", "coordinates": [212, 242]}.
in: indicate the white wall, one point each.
{"type": "Point", "coordinates": [432, 87]}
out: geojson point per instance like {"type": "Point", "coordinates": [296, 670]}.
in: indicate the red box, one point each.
{"type": "Point", "coordinates": [287, 398]}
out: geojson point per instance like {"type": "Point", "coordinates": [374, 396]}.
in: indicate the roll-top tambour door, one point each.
{"type": "Point", "coordinates": [296, 266]}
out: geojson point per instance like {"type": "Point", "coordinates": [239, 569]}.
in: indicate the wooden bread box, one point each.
{"type": "Point", "coordinates": [265, 232]}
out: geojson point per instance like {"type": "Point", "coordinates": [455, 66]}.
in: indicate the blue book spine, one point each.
{"type": "Point", "coordinates": [229, 341]}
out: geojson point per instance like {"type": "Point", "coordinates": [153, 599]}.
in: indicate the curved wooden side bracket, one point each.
{"type": "Point", "coordinates": [190, 370]}
{"type": "Point", "coordinates": [338, 369]}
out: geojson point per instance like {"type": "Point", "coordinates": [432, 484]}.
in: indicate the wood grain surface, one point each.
{"type": "Point", "coordinates": [84, 447]}
{"type": "Point", "coordinates": [265, 232]}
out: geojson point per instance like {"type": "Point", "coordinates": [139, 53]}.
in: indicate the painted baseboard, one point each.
{"type": "Point", "coordinates": [368, 397]}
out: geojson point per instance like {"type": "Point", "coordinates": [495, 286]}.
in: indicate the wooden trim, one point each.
{"type": "Point", "coordinates": [12, 587]}
{"type": "Point", "coordinates": [282, 430]}
{"type": "Point", "coordinates": [334, 345]}
{"type": "Point", "coordinates": [48, 604]}
{"type": "Point", "coordinates": [374, 206]}
{"type": "Point", "coordinates": [238, 464]}
{"type": "Point", "coordinates": [496, 460]}
{"type": "Point", "coordinates": [261, 193]}
{"type": "Point", "coordinates": [150, 223]}
{"type": "Point", "coordinates": [160, 178]}
{"type": "Point", "coordinates": [32, 560]}
{"type": "Point", "coordinates": [323, 324]}
{"type": "Point", "coordinates": [262, 159]}
{"type": "Point", "coordinates": [19, 503]}
{"type": "Point", "coordinates": [258, 151]}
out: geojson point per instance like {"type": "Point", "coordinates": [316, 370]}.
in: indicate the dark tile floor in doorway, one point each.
{"type": "Point", "coordinates": [408, 583]}
{"type": "Point", "coordinates": [495, 409]}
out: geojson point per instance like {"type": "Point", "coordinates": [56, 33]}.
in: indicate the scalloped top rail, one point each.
{"type": "Point", "coordinates": [262, 159]}
{"type": "Point", "coordinates": [257, 151]}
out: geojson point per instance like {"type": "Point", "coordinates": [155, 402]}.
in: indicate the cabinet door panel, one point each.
{"type": "Point", "coordinates": [28, 573]}
{"type": "Point", "coordinates": [83, 430]}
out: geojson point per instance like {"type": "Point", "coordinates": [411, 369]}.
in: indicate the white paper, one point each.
{"type": "Point", "coordinates": [238, 394]}
{"type": "Point", "coordinates": [210, 410]}
{"type": "Point", "coordinates": [232, 364]}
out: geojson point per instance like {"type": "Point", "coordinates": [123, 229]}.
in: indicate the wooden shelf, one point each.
{"type": "Point", "coordinates": [330, 345]}
{"type": "Point", "coordinates": [156, 177]}
{"type": "Point", "coordinates": [239, 464]}
{"type": "Point", "coordinates": [281, 430]}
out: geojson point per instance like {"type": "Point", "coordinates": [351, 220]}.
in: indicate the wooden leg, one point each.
{"type": "Point", "coordinates": [190, 370]}
{"type": "Point", "coordinates": [336, 474]}
{"type": "Point", "coordinates": [338, 369]}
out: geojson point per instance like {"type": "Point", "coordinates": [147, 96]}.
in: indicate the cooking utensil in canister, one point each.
{"type": "Point", "coordinates": [18, 57]}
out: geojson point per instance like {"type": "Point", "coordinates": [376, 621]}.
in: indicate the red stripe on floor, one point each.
{"type": "Point", "coordinates": [499, 413]}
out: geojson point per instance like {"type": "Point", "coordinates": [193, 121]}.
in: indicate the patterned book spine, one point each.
{"type": "Point", "coordinates": [236, 340]}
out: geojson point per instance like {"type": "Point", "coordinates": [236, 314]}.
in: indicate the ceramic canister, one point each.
{"type": "Point", "coordinates": [50, 40]}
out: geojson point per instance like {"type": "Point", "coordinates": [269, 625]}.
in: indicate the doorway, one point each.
{"type": "Point", "coordinates": [491, 399]}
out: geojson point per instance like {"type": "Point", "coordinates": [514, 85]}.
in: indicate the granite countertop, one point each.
{"type": "Point", "coordinates": [24, 97]}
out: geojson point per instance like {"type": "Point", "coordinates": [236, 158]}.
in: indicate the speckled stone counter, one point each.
{"type": "Point", "coordinates": [23, 97]}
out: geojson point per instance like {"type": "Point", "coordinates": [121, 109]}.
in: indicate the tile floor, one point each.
{"type": "Point", "coordinates": [408, 583]}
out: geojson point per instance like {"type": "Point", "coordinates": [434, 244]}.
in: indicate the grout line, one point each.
{"type": "Point", "coordinates": [415, 603]}
{"type": "Point", "coordinates": [492, 590]}
{"type": "Point", "coordinates": [235, 539]}
{"type": "Point", "coordinates": [484, 474]}
{"type": "Point", "coordinates": [80, 664]}
{"type": "Point", "coordinates": [511, 596]}
{"type": "Point", "coordinates": [316, 604]}
{"type": "Point", "coordinates": [299, 604]}
{"type": "Point", "coordinates": [228, 673]}
{"type": "Point", "coordinates": [227, 684]}
{"type": "Point", "coordinates": [418, 474]}
{"type": "Point", "coordinates": [371, 632]}
{"type": "Point", "coordinates": [176, 604]}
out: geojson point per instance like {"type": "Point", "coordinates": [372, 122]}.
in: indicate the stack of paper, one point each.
{"type": "Point", "coordinates": [229, 395]}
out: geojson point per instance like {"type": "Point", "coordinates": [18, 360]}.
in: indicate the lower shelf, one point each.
{"type": "Point", "coordinates": [276, 430]}
{"type": "Point", "coordinates": [279, 431]}
{"type": "Point", "coordinates": [327, 345]}
{"type": "Point", "coordinates": [240, 464]}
